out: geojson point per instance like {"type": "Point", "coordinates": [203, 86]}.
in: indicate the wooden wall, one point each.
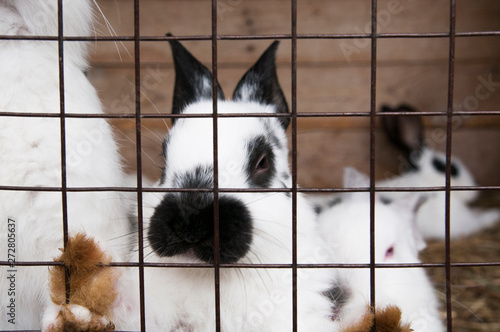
{"type": "Point", "coordinates": [332, 75]}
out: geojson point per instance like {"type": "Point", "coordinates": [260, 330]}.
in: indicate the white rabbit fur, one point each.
{"type": "Point", "coordinates": [31, 150]}
{"type": "Point", "coordinates": [39, 18]}
{"type": "Point", "coordinates": [251, 299]}
{"type": "Point", "coordinates": [464, 220]}
{"type": "Point", "coordinates": [428, 170]}
{"type": "Point", "coordinates": [346, 229]}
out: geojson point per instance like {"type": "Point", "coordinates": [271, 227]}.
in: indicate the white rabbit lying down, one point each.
{"type": "Point", "coordinates": [428, 169]}
{"type": "Point", "coordinates": [30, 149]}
{"type": "Point", "coordinates": [255, 228]}
{"type": "Point", "coordinates": [346, 228]}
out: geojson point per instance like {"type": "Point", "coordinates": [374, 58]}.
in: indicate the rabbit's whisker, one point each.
{"type": "Point", "coordinates": [112, 32]}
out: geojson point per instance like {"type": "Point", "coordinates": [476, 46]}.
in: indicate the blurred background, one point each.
{"type": "Point", "coordinates": [332, 75]}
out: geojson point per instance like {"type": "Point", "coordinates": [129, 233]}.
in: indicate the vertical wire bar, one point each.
{"type": "Point", "coordinates": [140, 233]}
{"type": "Point", "coordinates": [373, 91]}
{"type": "Point", "coordinates": [449, 119]}
{"type": "Point", "coordinates": [64, 193]}
{"type": "Point", "coordinates": [294, 162]}
{"type": "Point", "coordinates": [216, 167]}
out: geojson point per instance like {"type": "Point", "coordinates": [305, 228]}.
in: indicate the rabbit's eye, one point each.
{"type": "Point", "coordinates": [440, 166]}
{"type": "Point", "coordinates": [454, 170]}
{"type": "Point", "coordinates": [262, 165]}
{"type": "Point", "coordinates": [389, 253]}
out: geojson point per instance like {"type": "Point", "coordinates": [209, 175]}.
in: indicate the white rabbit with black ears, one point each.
{"type": "Point", "coordinates": [255, 227]}
{"type": "Point", "coordinates": [346, 229]}
{"type": "Point", "coordinates": [30, 149]}
{"type": "Point", "coordinates": [427, 168]}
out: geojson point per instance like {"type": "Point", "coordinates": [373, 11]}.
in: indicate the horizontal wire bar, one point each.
{"type": "Point", "coordinates": [246, 190]}
{"type": "Point", "coordinates": [246, 115]}
{"type": "Point", "coordinates": [396, 189]}
{"type": "Point", "coordinates": [263, 266]}
{"type": "Point", "coordinates": [255, 37]}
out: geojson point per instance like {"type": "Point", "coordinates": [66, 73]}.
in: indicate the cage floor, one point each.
{"type": "Point", "coordinates": [475, 290]}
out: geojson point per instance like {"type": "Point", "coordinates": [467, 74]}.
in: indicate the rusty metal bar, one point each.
{"type": "Point", "coordinates": [140, 220]}
{"type": "Point", "coordinates": [449, 119]}
{"type": "Point", "coordinates": [373, 118]}
{"type": "Point", "coordinates": [242, 115]}
{"type": "Point", "coordinates": [261, 37]}
{"type": "Point", "coordinates": [268, 266]}
{"type": "Point", "coordinates": [294, 163]}
{"type": "Point", "coordinates": [62, 123]}
{"type": "Point", "coordinates": [216, 169]}
{"type": "Point", "coordinates": [249, 190]}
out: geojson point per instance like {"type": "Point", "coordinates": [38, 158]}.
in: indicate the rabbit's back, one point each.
{"type": "Point", "coordinates": [31, 149]}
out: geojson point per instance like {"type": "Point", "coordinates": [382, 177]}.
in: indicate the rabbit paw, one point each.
{"type": "Point", "coordinates": [387, 319]}
{"type": "Point", "coordinates": [75, 318]}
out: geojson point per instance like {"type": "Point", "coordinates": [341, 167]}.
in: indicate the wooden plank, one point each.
{"type": "Point", "coordinates": [321, 16]}
{"type": "Point", "coordinates": [314, 16]}
{"type": "Point", "coordinates": [322, 155]}
{"type": "Point", "coordinates": [328, 89]}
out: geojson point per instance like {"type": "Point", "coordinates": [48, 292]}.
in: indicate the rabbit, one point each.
{"type": "Point", "coordinates": [31, 153]}
{"type": "Point", "coordinates": [254, 228]}
{"type": "Point", "coordinates": [427, 168]}
{"type": "Point", "coordinates": [346, 230]}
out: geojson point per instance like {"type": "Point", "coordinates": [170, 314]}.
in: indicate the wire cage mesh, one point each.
{"type": "Point", "coordinates": [338, 62]}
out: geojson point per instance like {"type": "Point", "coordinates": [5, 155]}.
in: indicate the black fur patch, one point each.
{"type": "Point", "coordinates": [338, 296]}
{"type": "Point", "coordinates": [261, 163]}
{"type": "Point", "coordinates": [162, 178]}
{"type": "Point", "coordinates": [385, 200]}
{"type": "Point", "coordinates": [183, 223]}
{"type": "Point", "coordinates": [287, 193]}
{"type": "Point", "coordinates": [260, 84]}
{"type": "Point", "coordinates": [404, 131]}
{"type": "Point", "coordinates": [275, 140]}
{"type": "Point", "coordinates": [164, 149]}
{"type": "Point", "coordinates": [201, 177]}
{"type": "Point", "coordinates": [193, 81]}
{"type": "Point", "coordinates": [318, 208]}
{"type": "Point", "coordinates": [440, 166]}
{"type": "Point", "coordinates": [164, 146]}
{"type": "Point", "coordinates": [334, 201]}
{"type": "Point", "coordinates": [272, 138]}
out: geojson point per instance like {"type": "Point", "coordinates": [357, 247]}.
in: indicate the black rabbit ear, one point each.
{"type": "Point", "coordinates": [260, 84]}
{"type": "Point", "coordinates": [404, 131]}
{"type": "Point", "coordinates": [193, 81]}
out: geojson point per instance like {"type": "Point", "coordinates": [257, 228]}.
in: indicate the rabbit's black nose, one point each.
{"type": "Point", "coordinates": [185, 222]}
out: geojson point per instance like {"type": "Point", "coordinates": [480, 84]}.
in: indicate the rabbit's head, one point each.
{"type": "Point", "coordinates": [251, 153]}
{"type": "Point", "coordinates": [426, 165]}
{"type": "Point", "coordinates": [346, 225]}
